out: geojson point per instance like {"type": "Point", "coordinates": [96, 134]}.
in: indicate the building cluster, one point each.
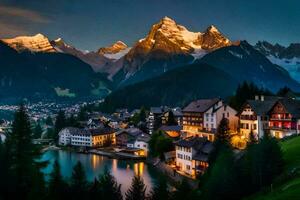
{"type": "Point", "coordinates": [192, 129]}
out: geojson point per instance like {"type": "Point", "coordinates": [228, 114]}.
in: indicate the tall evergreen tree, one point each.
{"type": "Point", "coordinates": [22, 156]}
{"type": "Point", "coordinates": [60, 123]}
{"type": "Point", "coordinates": [137, 191]}
{"type": "Point", "coordinates": [82, 115]}
{"type": "Point", "coordinates": [264, 161]}
{"type": "Point", "coordinates": [109, 188]}
{"type": "Point", "coordinates": [222, 182]}
{"type": "Point", "coordinates": [49, 121]}
{"type": "Point", "coordinates": [72, 121]}
{"type": "Point", "coordinates": [223, 134]}
{"type": "Point", "coordinates": [79, 184]}
{"type": "Point", "coordinates": [57, 187]}
{"type": "Point", "coordinates": [38, 131]}
{"type": "Point", "coordinates": [171, 119]}
{"type": "Point", "coordinates": [160, 191]}
{"type": "Point", "coordinates": [94, 191]}
{"type": "Point", "coordinates": [184, 191]}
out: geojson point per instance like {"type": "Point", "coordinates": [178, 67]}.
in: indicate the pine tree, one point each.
{"type": "Point", "coordinates": [79, 184]}
{"type": "Point", "coordinates": [72, 121]}
{"type": "Point", "coordinates": [57, 187]}
{"type": "Point", "coordinates": [22, 156]}
{"type": "Point", "coordinates": [3, 170]}
{"type": "Point", "coordinates": [137, 191]}
{"type": "Point", "coordinates": [171, 119]}
{"type": "Point", "coordinates": [95, 190]}
{"type": "Point", "coordinates": [183, 191]}
{"type": "Point", "coordinates": [265, 161]}
{"type": "Point", "coordinates": [38, 131]}
{"type": "Point", "coordinates": [110, 189]}
{"type": "Point", "coordinates": [222, 182]}
{"type": "Point", "coordinates": [82, 115]}
{"type": "Point", "coordinates": [60, 123]}
{"type": "Point", "coordinates": [160, 191]}
{"type": "Point", "coordinates": [49, 121]}
{"type": "Point", "coordinates": [223, 134]}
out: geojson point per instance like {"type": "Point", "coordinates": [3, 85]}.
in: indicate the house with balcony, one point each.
{"type": "Point", "coordinates": [202, 117]}
{"type": "Point", "coordinates": [192, 155]}
{"type": "Point", "coordinates": [284, 118]}
{"type": "Point", "coordinates": [254, 117]}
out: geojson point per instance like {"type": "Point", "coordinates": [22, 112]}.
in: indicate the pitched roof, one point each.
{"type": "Point", "coordinates": [131, 131]}
{"type": "Point", "coordinates": [170, 128]}
{"type": "Point", "coordinates": [292, 106]}
{"type": "Point", "coordinates": [192, 142]}
{"type": "Point", "coordinates": [102, 131]}
{"type": "Point", "coordinates": [201, 105]}
{"type": "Point", "coordinates": [260, 107]}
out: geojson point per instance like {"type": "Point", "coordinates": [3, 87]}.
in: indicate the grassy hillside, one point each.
{"type": "Point", "coordinates": [289, 190]}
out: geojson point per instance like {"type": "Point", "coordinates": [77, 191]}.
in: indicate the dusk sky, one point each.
{"type": "Point", "coordinates": [90, 24]}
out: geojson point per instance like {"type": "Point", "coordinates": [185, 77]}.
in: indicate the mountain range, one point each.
{"type": "Point", "coordinates": [167, 51]}
{"type": "Point", "coordinates": [287, 57]}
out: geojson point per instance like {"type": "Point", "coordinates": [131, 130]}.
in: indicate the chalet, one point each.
{"type": "Point", "coordinates": [202, 118]}
{"type": "Point", "coordinates": [126, 136]}
{"type": "Point", "coordinates": [192, 155]}
{"type": "Point", "coordinates": [284, 118]}
{"type": "Point", "coordinates": [253, 116]}
{"type": "Point", "coordinates": [87, 137]}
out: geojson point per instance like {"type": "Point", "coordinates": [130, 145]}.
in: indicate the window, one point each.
{"type": "Point", "coordinates": [228, 114]}
{"type": "Point", "coordinates": [254, 126]}
{"type": "Point", "coordinates": [188, 167]}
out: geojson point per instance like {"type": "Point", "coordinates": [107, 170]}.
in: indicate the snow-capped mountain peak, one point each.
{"type": "Point", "coordinates": [36, 43]}
{"type": "Point", "coordinates": [212, 28]}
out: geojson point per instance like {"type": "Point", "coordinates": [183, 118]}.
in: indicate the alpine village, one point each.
{"type": "Point", "coordinates": [180, 115]}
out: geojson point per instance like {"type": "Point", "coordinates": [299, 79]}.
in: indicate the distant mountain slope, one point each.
{"type": "Point", "coordinates": [46, 75]}
{"type": "Point", "coordinates": [287, 57]}
{"type": "Point", "coordinates": [245, 63]}
{"type": "Point", "coordinates": [174, 88]}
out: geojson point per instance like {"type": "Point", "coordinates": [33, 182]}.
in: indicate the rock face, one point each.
{"type": "Point", "coordinates": [97, 62]}
{"type": "Point", "coordinates": [114, 48]}
{"type": "Point", "coordinates": [168, 45]}
{"type": "Point", "coordinates": [287, 57]}
{"type": "Point", "coordinates": [36, 43]}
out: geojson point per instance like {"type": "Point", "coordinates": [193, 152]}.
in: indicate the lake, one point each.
{"type": "Point", "coordinates": [94, 165]}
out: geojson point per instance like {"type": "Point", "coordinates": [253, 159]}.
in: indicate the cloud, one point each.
{"type": "Point", "coordinates": [11, 30]}
{"type": "Point", "coordinates": [21, 13]}
{"type": "Point", "coordinates": [19, 21]}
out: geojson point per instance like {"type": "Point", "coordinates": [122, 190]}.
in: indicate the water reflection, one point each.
{"type": "Point", "coordinates": [95, 165]}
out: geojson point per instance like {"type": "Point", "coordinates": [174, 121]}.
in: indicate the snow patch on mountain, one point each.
{"type": "Point", "coordinates": [291, 65]}
{"type": "Point", "coordinates": [36, 43]}
{"type": "Point", "coordinates": [240, 56]}
{"type": "Point", "coordinates": [117, 56]}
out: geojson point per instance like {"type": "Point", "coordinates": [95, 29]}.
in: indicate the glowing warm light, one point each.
{"type": "Point", "coordinates": [114, 164]}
